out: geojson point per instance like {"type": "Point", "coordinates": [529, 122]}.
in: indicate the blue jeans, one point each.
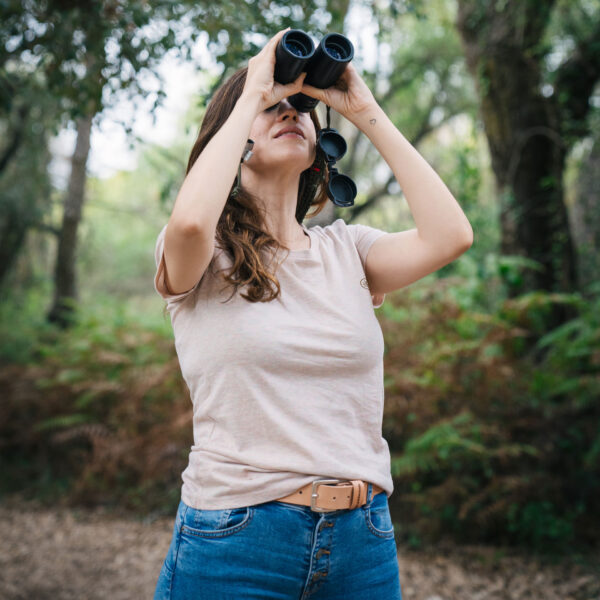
{"type": "Point", "coordinates": [282, 551]}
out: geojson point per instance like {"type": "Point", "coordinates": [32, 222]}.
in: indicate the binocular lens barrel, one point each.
{"type": "Point", "coordinates": [296, 53]}
{"type": "Point", "coordinates": [292, 54]}
{"type": "Point", "coordinates": [329, 60]}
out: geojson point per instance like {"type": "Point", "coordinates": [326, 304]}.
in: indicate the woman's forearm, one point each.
{"type": "Point", "coordinates": [202, 196]}
{"type": "Point", "coordinates": [438, 216]}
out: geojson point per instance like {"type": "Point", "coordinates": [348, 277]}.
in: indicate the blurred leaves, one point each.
{"type": "Point", "coordinates": [83, 54]}
{"type": "Point", "coordinates": [488, 426]}
{"type": "Point", "coordinates": [493, 420]}
{"type": "Point", "coordinates": [493, 438]}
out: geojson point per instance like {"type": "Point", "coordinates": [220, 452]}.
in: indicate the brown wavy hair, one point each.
{"type": "Point", "coordinates": [241, 229]}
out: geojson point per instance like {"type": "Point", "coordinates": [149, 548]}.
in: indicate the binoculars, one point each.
{"type": "Point", "coordinates": [296, 53]}
{"type": "Point", "coordinates": [324, 65]}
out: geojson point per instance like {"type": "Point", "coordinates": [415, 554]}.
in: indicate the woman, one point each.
{"type": "Point", "coordinates": [286, 377]}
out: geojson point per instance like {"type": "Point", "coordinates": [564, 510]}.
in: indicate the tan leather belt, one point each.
{"type": "Point", "coordinates": [324, 495]}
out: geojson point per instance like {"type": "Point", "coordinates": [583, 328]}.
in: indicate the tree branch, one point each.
{"type": "Point", "coordinates": [46, 228]}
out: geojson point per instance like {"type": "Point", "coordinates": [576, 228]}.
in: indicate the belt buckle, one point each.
{"type": "Point", "coordinates": [314, 494]}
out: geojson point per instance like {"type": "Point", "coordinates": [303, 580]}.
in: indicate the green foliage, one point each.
{"type": "Point", "coordinates": [85, 54]}
{"type": "Point", "coordinates": [453, 445]}
{"type": "Point", "coordinates": [21, 323]}
{"type": "Point", "coordinates": [98, 413]}
{"type": "Point", "coordinates": [538, 523]}
{"type": "Point", "coordinates": [491, 441]}
{"type": "Point", "coordinates": [493, 437]}
{"type": "Point", "coordinates": [493, 421]}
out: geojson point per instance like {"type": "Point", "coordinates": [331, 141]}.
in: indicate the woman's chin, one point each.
{"type": "Point", "coordinates": [286, 160]}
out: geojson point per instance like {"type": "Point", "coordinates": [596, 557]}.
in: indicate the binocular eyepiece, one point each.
{"type": "Point", "coordinates": [296, 53]}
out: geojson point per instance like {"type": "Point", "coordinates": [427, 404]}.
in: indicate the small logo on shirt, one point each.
{"type": "Point", "coordinates": [364, 283]}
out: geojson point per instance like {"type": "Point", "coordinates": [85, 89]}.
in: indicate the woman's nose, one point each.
{"type": "Point", "coordinates": [286, 107]}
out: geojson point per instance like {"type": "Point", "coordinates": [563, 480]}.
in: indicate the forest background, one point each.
{"type": "Point", "coordinates": [492, 364]}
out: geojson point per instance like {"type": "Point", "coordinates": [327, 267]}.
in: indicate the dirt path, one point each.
{"type": "Point", "coordinates": [64, 554]}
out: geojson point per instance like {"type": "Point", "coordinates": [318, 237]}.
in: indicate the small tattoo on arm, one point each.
{"type": "Point", "coordinates": [373, 121]}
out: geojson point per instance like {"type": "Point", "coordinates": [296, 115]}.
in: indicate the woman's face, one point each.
{"type": "Point", "coordinates": [291, 150]}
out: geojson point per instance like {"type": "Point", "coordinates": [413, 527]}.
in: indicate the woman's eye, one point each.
{"type": "Point", "coordinates": [271, 107]}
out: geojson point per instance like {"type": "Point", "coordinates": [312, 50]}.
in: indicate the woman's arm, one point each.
{"type": "Point", "coordinates": [189, 238]}
{"type": "Point", "coordinates": [440, 221]}
{"type": "Point", "coordinates": [190, 233]}
{"type": "Point", "coordinates": [443, 232]}
{"type": "Point", "coordinates": [202, 196]}
{"type": "Point", "coordinates": [201, 199]}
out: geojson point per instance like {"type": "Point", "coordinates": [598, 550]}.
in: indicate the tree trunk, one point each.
{"type": "Point", "coordinates": [524, 134]}
{"type": "Point", "coordinates": [15, 137]}
{"type": "Point", "coordinates": [586, 218]}
{"type": "Point", "coordinates": [65, 289]}
{"type": "Point", "coordinates": [13, 228]}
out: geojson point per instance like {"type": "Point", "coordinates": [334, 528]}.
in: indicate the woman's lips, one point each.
{"type": "Point", "coordinates": [290, 134]}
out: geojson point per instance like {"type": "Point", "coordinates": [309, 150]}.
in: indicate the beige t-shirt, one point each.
{"type": "Point", "coordinates": [287, 391]}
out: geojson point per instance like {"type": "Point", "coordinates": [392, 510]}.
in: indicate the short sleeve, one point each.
{"type": "Point", "coordinates": [159, 278]}
{"type": "Point", "coordinates": [363, 237]}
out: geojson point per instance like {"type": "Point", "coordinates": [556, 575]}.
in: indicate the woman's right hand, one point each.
{"type": "Point", "coordinates": [259, 78]}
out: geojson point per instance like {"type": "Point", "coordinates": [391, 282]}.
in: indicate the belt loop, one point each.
{"type": "Point", "coordinates": [369, 493]}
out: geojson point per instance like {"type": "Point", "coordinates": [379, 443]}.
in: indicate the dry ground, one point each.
{"type": "Point", "coordinates": [81, 554]}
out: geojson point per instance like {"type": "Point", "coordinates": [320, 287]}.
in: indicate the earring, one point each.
{"type": "Point", "coordinates": [245, 157]}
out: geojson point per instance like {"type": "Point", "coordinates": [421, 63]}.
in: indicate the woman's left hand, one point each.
{"type": "Point", "coordinates": [349, 96]}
